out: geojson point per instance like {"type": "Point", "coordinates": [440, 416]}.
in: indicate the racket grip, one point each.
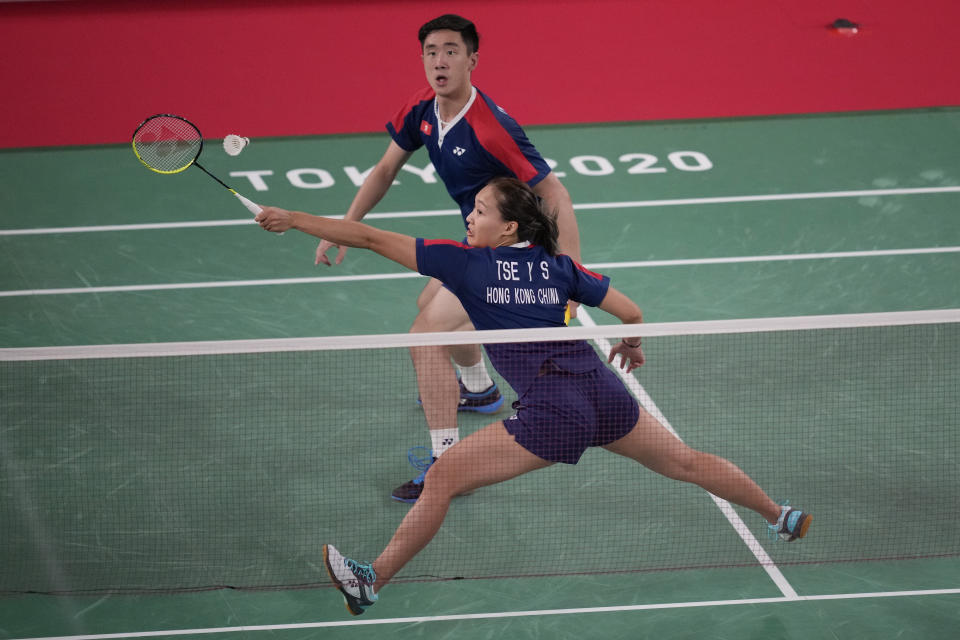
{"type": "Point", "coordinates": [251, 206]}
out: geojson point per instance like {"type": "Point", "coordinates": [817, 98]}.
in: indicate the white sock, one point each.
{"type": "Point", "coordinates": [475, 378]}
{"type": "Point", "coordinates": [443, 439]}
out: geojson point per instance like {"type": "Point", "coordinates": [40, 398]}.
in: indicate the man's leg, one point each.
{"type": "Point", "coordinates": [440, 393]}
{"type": "Point", "coordinates": [477, 392]}
{"type": "Point", "coordinates": [436, 379]}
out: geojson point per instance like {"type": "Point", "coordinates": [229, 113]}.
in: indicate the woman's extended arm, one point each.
{"type": "Point", "coordinates": [395, 246]}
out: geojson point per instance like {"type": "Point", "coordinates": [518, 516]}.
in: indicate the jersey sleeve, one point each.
{"type": "Point", "coordinates": [445, 260]}
{"type": "Point", "coordinates": [406, 125]}
{"type": "Point", "coordinates": [506, 141]}
{"type": "Point", "coordinates": [587, 286]}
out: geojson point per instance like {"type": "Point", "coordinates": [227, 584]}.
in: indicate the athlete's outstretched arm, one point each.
{"type": "Point", "coordinates": [619, 305]}
{"type": "Point", "coordinates": [395, 246]}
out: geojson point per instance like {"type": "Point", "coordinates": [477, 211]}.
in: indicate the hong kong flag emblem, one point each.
{"type": "Point", "coordinates": [426, 127]}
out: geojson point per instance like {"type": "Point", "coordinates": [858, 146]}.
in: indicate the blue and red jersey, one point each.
{"type": "Point", "coordinates": [484, 144]}
{"type": "Point", "coordinates": [513, 288]}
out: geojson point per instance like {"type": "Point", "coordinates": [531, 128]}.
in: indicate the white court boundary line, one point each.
{"type": "Point", "coordinates": [725, 507]}
{"type": "Point", "coordinates": [504, 614]}
{"type": "Point", "coordinates": [409, 274]}
{"type": "Point", "coordinates": [587, 206]}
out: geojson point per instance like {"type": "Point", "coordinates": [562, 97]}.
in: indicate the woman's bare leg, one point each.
{"type": "Point", "coordinates": [486, 457]}
{"type": "Point", "coordinates": [650, 444]}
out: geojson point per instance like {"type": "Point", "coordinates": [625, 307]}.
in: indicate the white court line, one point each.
{"type": "Point", "coordinates": [357, 622]}
{"type": "Point", "coordinates": [728, 511]}
{"type": "Point", "coordinates": [392, 276]}
{"type": "Point", "coordinates": [209, 285]}
{"type": "Point", "coordinates": [587, 206]}
{"type": "Point", "coordinates": [827, 255]}
{"type": "Point", "coordinates": [153, 226]}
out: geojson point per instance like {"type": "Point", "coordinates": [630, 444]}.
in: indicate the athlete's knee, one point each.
{"type": "Point", "coordinates": [442, 479]}
{"type": "Point", "coordinates": [428, 293]}
{"type": "Point", "coordinates": [426, 320]}
{"type": "Point", "coordinates": [420, 324]}
{"type": "Point", "coordinates": [443, 313]}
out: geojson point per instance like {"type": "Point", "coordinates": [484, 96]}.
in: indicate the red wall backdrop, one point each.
{"type": "Point", "coordinates": [87, 71]}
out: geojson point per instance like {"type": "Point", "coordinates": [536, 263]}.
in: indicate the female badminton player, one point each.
{"type": "Point", "coordinates": [509, 275]}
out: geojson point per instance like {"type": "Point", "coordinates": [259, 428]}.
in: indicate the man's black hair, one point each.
{"type": "Point", "coordinates": [452, 22]}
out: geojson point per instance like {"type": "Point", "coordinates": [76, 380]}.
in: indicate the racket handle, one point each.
{"type": "Point", "coordinates": [251, 206]}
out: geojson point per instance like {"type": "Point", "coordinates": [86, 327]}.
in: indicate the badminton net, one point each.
{"type": "Point", "coordinates": [188, 466]}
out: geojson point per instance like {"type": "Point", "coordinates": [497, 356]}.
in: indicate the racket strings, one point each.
{"type": "Point", "coordinates": [167, 144]}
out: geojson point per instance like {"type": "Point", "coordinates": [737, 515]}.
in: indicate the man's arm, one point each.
{"type": "Point", "coordinates": [372, 190]}
{"type": "Point", "coordinates": [557, 199]}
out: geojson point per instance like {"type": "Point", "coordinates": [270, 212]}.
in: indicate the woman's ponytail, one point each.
{"type": "Point", "coordinates": [518, 203]}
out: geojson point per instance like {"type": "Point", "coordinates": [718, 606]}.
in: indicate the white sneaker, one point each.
{"type": "Point", "coordinates": [354, 580]}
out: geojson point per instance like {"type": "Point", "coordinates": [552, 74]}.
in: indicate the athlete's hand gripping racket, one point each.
{"type": "Point", "coordinates": [167, 144]}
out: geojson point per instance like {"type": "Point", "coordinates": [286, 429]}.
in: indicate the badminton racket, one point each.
{"type": "Point", "coordinates": [168, 144]}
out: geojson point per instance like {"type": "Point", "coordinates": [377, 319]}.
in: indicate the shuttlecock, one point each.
{"type": "Point", "coordinates": [234, 144]}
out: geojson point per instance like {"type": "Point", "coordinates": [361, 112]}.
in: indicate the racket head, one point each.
{"type": "Point", "coordinates": [166, 143]}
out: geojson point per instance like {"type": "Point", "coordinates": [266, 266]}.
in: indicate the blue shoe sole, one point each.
{"type": "Point", "coordinates": [412, 500]}
{"type": "Point", "coordinates": [487, 408]}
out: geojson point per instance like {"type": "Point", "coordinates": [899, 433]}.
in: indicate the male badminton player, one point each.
{"type": "Point", "coordinates": [470, 140]}
{"type": "Point", "coordinates": [568, 399]}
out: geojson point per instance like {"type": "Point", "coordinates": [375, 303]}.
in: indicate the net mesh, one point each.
{"type": "Point", "coordinates": [167, 144]}
{"type": "Point", "coordinates": [125, 470]}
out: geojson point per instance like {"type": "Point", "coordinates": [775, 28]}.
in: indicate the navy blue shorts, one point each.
{"type": "Point", "coordinates": [562, 414]}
